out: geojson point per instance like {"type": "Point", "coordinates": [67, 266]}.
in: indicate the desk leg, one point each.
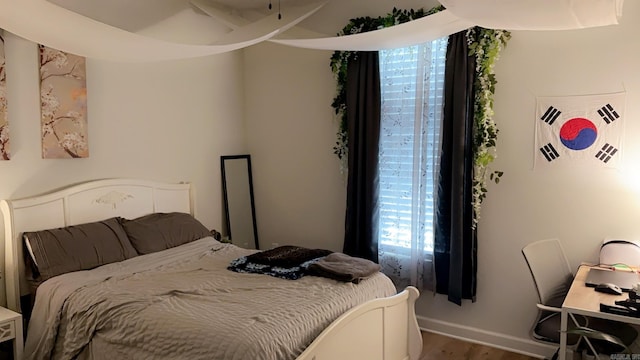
{"type": "Point", "coordinates": [563, 335]}
{"type": "Point", "coordinates": [18, 344]}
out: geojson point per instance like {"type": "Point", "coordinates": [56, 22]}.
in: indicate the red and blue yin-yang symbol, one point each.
{"type": "Point", "coordinates": [578, 134]}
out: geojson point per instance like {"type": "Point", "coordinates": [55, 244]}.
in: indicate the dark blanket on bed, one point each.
{"type": "Point", "coordinates": [293, 262]}
{"type": "Point", "coordinates": [287, 256]}
{"type": "Point", "coordinates": [286, 262]}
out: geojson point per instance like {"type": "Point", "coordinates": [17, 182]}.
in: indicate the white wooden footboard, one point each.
{"type": "Point", "coordinates": [381, 329]}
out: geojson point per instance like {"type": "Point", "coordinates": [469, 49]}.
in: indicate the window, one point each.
{"type": "Point", "coordinates": [411, 82]}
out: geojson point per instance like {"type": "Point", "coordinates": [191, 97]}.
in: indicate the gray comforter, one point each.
{"type": "Point", "coordinates": [183, 303]}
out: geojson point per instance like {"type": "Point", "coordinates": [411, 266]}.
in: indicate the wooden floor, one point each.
{"type": "Point", "coordinates": [440, 347]}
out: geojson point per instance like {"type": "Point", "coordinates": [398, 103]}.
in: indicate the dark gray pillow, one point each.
{"type": "Point", "coordinates": [160, 231]}
{"type": "Point", "coordinates": [79, 247]}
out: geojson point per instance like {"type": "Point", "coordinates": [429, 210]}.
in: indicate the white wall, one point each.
{"type": "Point", "coordinates": [165, 121]}
{"type": "Point", "coordinates": [300, 193]}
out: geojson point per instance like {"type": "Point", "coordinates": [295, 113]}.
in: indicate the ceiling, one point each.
{"type": "Point", "coordinates": [145, 30]}
{"type": "Point", "coordinates": [136, 15]}
{"type": "Point", "coordinates": [261, 4]}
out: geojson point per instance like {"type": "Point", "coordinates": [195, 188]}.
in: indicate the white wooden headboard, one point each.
{"type": "Point", "coordinates": [77, 204]}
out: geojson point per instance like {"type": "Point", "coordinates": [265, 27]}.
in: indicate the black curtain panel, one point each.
{"type": "Point", "coordinates": [455, 247]}
{"type": "Point", "coordinates": [363, 118]}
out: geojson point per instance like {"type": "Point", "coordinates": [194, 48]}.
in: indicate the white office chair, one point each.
{"type": "Point", "coordinates": [552, 277]}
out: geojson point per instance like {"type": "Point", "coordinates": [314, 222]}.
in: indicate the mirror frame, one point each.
{"type": "Point", "coordinates": [223, 160]}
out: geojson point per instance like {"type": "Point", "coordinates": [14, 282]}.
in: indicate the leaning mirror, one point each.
{"type": "Point", "coordinates": [237, 188]}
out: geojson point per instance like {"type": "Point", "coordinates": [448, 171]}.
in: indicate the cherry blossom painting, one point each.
{"type": "Point", "coordinates": [4, 121]}
{"type": "Point", "coordinates": [63, 102]}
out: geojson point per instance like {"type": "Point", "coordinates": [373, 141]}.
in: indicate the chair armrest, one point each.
{"type": "Point", "coordinates": [548, 308]}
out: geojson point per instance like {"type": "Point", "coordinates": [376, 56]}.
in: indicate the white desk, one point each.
{"type": "Point", "coordinates": [584, 300]}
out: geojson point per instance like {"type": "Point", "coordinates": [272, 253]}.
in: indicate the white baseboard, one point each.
{"type": "Point", "coordinates": [497, 340]}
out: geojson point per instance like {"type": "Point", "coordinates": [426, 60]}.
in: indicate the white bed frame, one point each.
{"type": "Point", "coordinates": [384, 329]}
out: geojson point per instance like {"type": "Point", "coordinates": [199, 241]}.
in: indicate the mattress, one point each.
{"type": "Point", "coordinates": [183, 303]}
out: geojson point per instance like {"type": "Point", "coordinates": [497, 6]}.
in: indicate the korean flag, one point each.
{"type": "Point", "coordinates": [579, 130]}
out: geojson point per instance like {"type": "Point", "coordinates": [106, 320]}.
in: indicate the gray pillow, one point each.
{"type": "Point", "coordinates": [160, 231]}
{"type": "Point", "coordinates": [79, 247]}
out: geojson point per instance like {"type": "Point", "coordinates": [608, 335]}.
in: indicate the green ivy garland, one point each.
{"type": "Point", "coordinates": [485, 44]}
{"type": "Point", "coordinates": [340, 59]}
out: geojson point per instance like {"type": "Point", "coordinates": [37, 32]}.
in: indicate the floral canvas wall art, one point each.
{"type": "Point", "coordinates": [4, 120]}
{"type": "Point", "coordinates": [63, 101]}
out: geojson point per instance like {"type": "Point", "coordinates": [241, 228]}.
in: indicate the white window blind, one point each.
{"type": "Point", "coordinates": [411, 81]}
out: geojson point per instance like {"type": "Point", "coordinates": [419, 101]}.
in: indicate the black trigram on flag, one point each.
{"type": "Point", "coordinates": [606, 153]}
{"type": "Point", "coordinates": [550, 153]}
{"type": "Point", "coordinates": [551, 115]}
{"type": "Point", "coordinates": [608, 114]}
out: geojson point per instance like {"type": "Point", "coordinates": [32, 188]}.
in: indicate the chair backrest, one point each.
{"type": "Point", "coordinates": [550, 270]}
{"type": "Point", "coordinates": [621, 252]}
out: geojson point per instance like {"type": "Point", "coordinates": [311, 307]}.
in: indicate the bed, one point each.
{"type": "Point", "coordinates": [87, 314]}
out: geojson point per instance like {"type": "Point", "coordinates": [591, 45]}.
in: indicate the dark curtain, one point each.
{"type": "Point", "coordinates": [363, 118]}
{"type": "Point", "coordinates": [455, 247]}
